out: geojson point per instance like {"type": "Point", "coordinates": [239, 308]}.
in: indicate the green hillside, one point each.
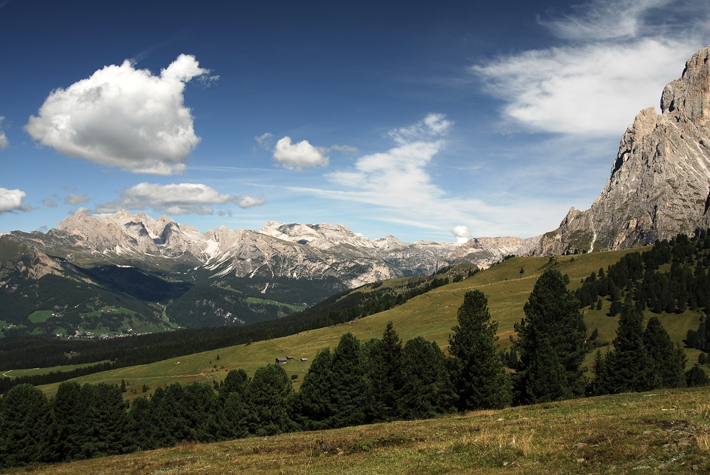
{"type": "Point", "coordinates": [430, 315]}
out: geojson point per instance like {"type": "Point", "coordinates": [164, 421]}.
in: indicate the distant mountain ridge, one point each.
{"type": "Point", "coordinates": [130, 272]}
{"type": "Point", "coordinates": [276, 250]}
{"type": "Point", "coordinates": [660, 180]}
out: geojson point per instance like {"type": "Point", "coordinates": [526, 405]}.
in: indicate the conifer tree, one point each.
{"type": "Point", "coordinates": [348, 387]}
{"type": "Point", "coordinates": [266, 395]}
{"type": "Point", "coordinates": [22, 426]}
{"type": "Point", "coordinates": [696, 377]}
{"type": "Point", "coordinates": [597, 386]}
{"type": "Point", "coordinates": [476, 370]}
{"type": "Point", "coordinates": [668, 360]}
{"type": "Point", "coordinates": [202, 411]}
{"type": "Point", "coordinates": [235, 382]}
{"type": "Point", "coordinates": [69, 413]}
{"type": "Point", "coordinates": [427, 388]}
{"type": "Point", "coordinates": [385, 376]}
{"type": "Point", "coordinates": [546, 377]}
{"type": "Point", "coordinates": [629, 367]}
{"type": "Point", "coordinates": [142, 426]}
{"type": "Point", "coordinates": [311, 408]}
{"type": "Point", "coordinates": [552, 323]}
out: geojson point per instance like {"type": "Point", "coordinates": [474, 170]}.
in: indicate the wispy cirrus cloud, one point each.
{"type": "Point", "coordinates": [123, 117]}
{"type": "Point", "coordinates": [614, 58]}
{"type": "Point", "coordinates": [75, 199]}
{"type": "Point", "coordinates": [400, 182]}
{"type": "Point", "coordinates": [3, 138]}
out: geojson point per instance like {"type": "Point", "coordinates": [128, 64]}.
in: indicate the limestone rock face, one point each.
{"type": "Point", "coordinates": [660, 181]}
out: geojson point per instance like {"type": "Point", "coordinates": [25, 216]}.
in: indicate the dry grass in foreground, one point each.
{"type": "Point", "coordinates": [657, 432]}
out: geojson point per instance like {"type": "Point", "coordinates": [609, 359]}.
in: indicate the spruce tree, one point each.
{"type": "Point", "coordinates": [427, 388]}
{"type": "Point", "coordinates": [202, 411]}
{"type": "Point", "coordinates": [385, 376]}
{"type": "Point", "coordinates": [546, 377]}
{"type": "Point", "coordinates": [348, 387]}
{"type": "Point", "coordinates": [668, 360]}
{"type": "Point", "coordinates": [22, 426]}
{"type": "Point", "coordinates": [311, 408]}
{"type": "Point", "coordinates": [266, 395]}
{"type": "Point", "coordinates": [597, 386]}
{"type": "Point", "coordinates": [696, 377]}
{"type": "Point", "coordinates": [69, 413]}
{"type": "Point", "coordinates": [235, 382]}
{"type": "Point", "coordinates": [552, 323]}
{"type": "Point", "coordinates": [476, 370]}
{"type": "Point", "coordinates": [629, 367]}
{"type": "Point", "coordinates": [142, 427]}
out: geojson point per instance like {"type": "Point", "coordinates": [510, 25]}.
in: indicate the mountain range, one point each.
{"type": "Point", "coordinates": [152, 274]}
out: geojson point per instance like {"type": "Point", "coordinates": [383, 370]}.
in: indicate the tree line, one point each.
{"type": "Point", "coordinates": [685, 285]}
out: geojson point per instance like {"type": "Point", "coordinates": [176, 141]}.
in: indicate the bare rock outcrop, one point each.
{"type": "Point", "coordinates": [660, 181]}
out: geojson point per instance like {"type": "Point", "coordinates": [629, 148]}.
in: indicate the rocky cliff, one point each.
{"type": "Point", "coordinates": [660, 181]}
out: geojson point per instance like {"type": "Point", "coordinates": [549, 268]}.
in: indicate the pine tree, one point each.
{"type": "Point", "coordinates": [597, 386]}
{"type": "Point", "coordinates": [695, 377]}
{"type": "Point", "coordinates": [22, 426]}
{"type": "Point", "coordinates": [69, 413]}
{"type": "Point", "coordinates": [427, 389]}
{"type": "Point", "coordinates": [107, 420]}
{"type": "Point", "coordinates": [386, 377]}
{"type": "Point", "coordinates": [553, 322]}
{"type": "Point", "coordinates": [629, 367]}
{"type": "Point", "coordinates": [311, 408]}
{"type": "Point", "coordinates": [476, 370]}
{"type": "Point", "coordinates": [266, 396]}
{"type": "Point", "coordinates": [348, 387]}
{"type": "Point", "coordinates": [202, 411]}
{"type": "Point", "coordinates": [142, 427]}
{"type": "Point", "coordinates": [235, 382]}
{"type": "Point", "coordinates": [668, 360]}
{"type": "Point", "coordinates": [547, 378]}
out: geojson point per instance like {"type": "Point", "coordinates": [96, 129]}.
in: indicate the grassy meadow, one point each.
{"type": "Point", "coordinates": [430, 315]}
{"type": "Point", "coordinates": [665, 431]}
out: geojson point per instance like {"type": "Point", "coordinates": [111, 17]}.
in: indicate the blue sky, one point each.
{"type": "Point", "coordinates": [420, 119]}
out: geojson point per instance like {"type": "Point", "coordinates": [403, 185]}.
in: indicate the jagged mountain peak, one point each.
{"type": "Point", "coordinates": [659, 185]}
{"type": "Point", "coordinates": [296, 251]}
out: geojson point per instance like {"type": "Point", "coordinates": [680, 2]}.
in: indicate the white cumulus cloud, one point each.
{"type": "Point", "coordinates": [299, 155]}
{"type": "Point", "coordinates": [246, 201]}
{"type": "Point", "coordinates": [11, 200]}
{"type": "Point", "coordinates": [462, 233]}
{"type": "Point", "coordinates": [123, 117]}
{"type": "Point", "coordinates": [612, 62]}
